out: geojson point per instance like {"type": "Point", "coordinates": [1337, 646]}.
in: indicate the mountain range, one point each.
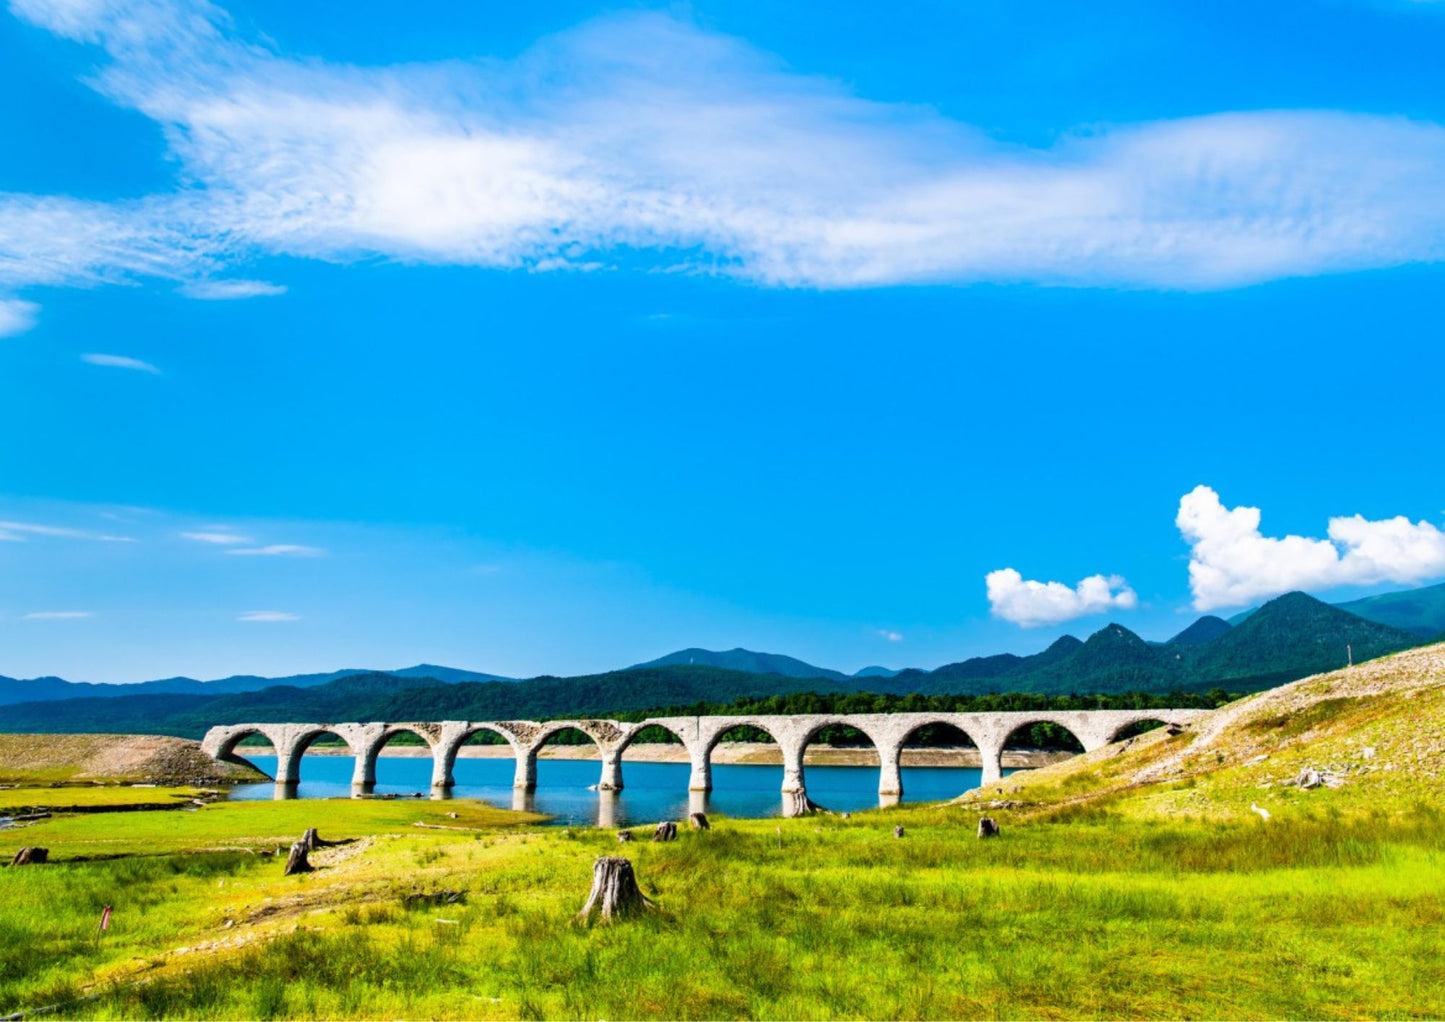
{"type": "Point", "coordinates": [1290, 637]}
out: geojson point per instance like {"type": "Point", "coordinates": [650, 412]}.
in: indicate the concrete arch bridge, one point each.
{"type": "Point", "coordinates": [888, 732]}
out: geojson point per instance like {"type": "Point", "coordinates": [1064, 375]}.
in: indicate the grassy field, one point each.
{"type": "Point", "coordinates": [1133, 882]}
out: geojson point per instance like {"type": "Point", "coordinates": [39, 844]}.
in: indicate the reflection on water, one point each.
{"type": "Point", "coordinates": [653, 791]}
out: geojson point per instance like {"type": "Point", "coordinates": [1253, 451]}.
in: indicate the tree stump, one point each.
{"type": "Point", "coordinates": [624, 836]}
{"type": "Point", "coordinates": [296, 860]}
{"type": "Point", "coordinates": [898, 830]}
{"type": "Point", "coordinates": [614, 891]}
{"type": "Point", "coordinates": [987, 827]}
{"type": "Point", "coordinates": [699, 821]}
{"type": "Point", "coordinates": [666, 831]}
{"type": "Point", "coordinates": [30, 857]}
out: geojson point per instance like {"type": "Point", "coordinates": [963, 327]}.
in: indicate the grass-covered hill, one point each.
{"type": "Point", "coordinates": [1375, 733]}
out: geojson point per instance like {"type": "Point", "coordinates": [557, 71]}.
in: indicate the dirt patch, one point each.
{"type": "Point", "coordinates": [116, 759]}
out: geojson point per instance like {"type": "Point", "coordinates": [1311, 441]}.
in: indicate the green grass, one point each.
{"type": "Point", "coordinates": [19, 799]}
{"type": "Point", "coordinates": [1089, 914]}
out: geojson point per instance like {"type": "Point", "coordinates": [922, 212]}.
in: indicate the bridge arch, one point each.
{"type": "Point", "coordinates": [449, 742]}
{"type": "Point", "coordinates": [890, 783]}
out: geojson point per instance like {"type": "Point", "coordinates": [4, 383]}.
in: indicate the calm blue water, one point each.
{"type": "Point", "coordinates": [651, 791]}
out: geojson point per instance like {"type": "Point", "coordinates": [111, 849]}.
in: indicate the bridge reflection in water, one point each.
{"type": "Point", "coordinates": [699, 736]}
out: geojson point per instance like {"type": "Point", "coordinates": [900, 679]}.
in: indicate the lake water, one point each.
{"type": "Point", "coordinates": [652, 791]}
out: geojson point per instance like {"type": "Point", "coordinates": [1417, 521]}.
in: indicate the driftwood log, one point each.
{"type": "Point", "coordinates": [614, 891]}
{"type": "Point", "coordinates": [666, 831]}
{"type": "Point", "coordinates": [699, 821]}
{"type": "Point", "coordinates": [898, 830]}
{"type": "Point", "coordinates": [296, 860]}
{"type": "Point", "coordinates": [987, 827]}
{"type": "Point", "coordinates": [30, 857]}
{"type": "Point", "coordinates": [624, 836]}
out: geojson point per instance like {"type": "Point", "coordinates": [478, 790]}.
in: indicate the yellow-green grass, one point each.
{"type": "Point", "coordinates": [255, 825]}
{"type": "Point", "coordinates": [14, 799]}
{"type": "Point", "coordinates": [1100, 915]}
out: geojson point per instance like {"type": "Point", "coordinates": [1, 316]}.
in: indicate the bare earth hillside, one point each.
{"type": "Point", "coordinates": [113, 758]}
{"type": "Point", "coordinates": [1374, 733]}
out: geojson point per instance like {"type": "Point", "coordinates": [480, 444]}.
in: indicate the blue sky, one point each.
{"type": "Point", "coordinates": [549, 340]}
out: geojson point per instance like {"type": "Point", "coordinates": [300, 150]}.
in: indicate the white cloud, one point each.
{"type": "Point", "coordinates": [57, 615]}
{"type": "Point", "coordinates": [120, 362]}
{"type": "Point", "coordinates": [1029, 603]}
{"type": "Point", "coordinates": [644, 137]}
{"type": "Point", "coordinates": [230, 290]}
{"type": "Point", "coordinates": [18, 531]}
{"type": "Point", "coordinates": [217, 538]}
{"type": "Point", "coordinates": [888, 635]}
{"type": "Point", "coordinates": [266, 615]}
{"type": "Point", "coordinates": [280, 550]}
{"type": "Point", "coordinates": [16, 316]}
{"type": "Point", "coordinates": [1231, 563]}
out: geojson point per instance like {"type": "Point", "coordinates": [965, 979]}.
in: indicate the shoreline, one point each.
{"type": "Point", "coordinates": [727, 754]}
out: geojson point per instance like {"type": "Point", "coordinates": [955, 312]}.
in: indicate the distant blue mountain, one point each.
{"type": "Point", "coordinates": [745, 660]}
{"type": "Point", "coordinates": [875, 672]}
{"type": "Point", "coordinates": [16, 690]}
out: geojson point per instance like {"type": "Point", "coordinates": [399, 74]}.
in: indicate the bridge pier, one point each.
{"type": "Point", "coordinates": [991, 756]}
{"type": "Point", "coordinates": [792, 765]}
{"type": "Point", "coordinates": [611, 779]}
{"type": "Point", "coordinates": [701, 776]}
{"type": "Point", "coordinates": [890, 776]}
{"type": "Point", "coordinates": [526, 777]}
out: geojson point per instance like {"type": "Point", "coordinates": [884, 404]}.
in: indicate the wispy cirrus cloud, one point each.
{"type": "Point", "coordinates": [1029, 603]}
{"type": "Point", "coordinates": [217, 538]}
{"type": "Point", "coordinates": [57, 615]}
{"type": "Point", "coordinates": [120, 362]}
{"type": "Point", "coordinates": [642, 137]}
{"type": "Point", "coordinates": [280, 550]}
{"type": "Point", "coordinates": [266, 616]}
{"type": "Point", "coordinates": [231, 290]}
{"type": "Point", "coordinates": [20, 531]}
{"type": "Point", "coordinates": [1231, 562]}
{"type": "Point", "coordinates": [16, 316]}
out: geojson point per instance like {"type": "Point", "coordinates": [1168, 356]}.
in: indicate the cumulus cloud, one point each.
{"type": "Point", "coordinates": [280, 550]}
{"type": "Point", "coordinates": [266, 616]}
{"type": "Point", "coordinates": [120, 362]}
{"type": "Point", "coordinates": [217, 538]}
{"type": "Point", "coordinates": [16, 316]}
{"type": "Point", "coordinates": [888, 635]}
{"type": "Point", "coordinates": [230, 290]}
{"type": "Point", "coordinates": [19, 531]}
{"type": "Point", "coordinates": [642, 137]}
{"type": "Point", "coordinates": [1029, 603]}
{"type": "Point", "coordinates": [57, 615]}
{"type": "Point", "coordinates": [1232, 563]}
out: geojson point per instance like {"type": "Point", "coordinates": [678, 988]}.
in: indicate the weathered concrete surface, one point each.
{"type": "Point", "coordinates": [699, 736]}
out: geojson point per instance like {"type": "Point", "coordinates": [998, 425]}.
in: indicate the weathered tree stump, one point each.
{"type": "Point", "coordinates": [311, 839]}
{"type": "Point", "coordinates": [987, 827]}
{"type": "Point", "coordinates": [666, 831]}
{"type": "Point", "coordinates": [296, 860]}
{"type": "Point", "coordinates": [624, 836]}
{"type": "Point", "coordinates": [898, 830]}
{"type": "Point", "coordinates": [30, 857]}
{"type": "Point", "coordinates": [614, 891]}
{"type": "Point", "coordinates": [699, 821]}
